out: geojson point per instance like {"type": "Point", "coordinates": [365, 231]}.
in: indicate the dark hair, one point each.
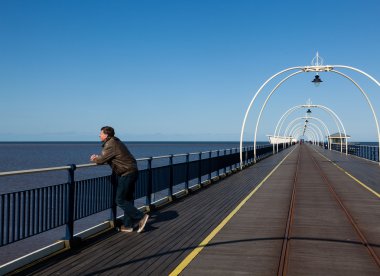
{"type": "Point", "coordinates": [108, 130]}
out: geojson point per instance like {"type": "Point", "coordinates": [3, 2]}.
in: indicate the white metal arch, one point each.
{"type": "Point", "coordinates": [368, 101]}
{"type": "Point", "coordinates": [301, 126]}
{"type": "Point", "coordinates": [308, 132]}
{"type": "Point", "coordinates": [328, 110]}
{"type": "Point", "coordinates": [310, 125]}
{"type": "Point", "coordinates": [314, 68]}
{"type": "Point", "coordinates": [303, 118]}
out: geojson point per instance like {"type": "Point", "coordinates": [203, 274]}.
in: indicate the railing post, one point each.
{"type": "Point", "coordinates": [71, 207]}
{"type": "Point", "coordinates": [113, 197]}
{"type": "Point", "coordinates": [200, 168]}
{"type": "Point", "coordinates": [209, 165]}
{"type": "Point", "coordinates": [245, 149]}
{"type": "Point", "coordinates": [224, 158]}
{"type": "Point", "coordinates": [218, 162]}
{"type": "Point", "coordinates": [187, 172]}
{"type": "Point", "coordinates": [171, 181]}
{"type": "Point", "coordinates": [149, 188]}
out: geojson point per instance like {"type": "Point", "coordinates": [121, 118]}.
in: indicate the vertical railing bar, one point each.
{"type": "Point", "coordinates": [7, 234]}
{"type": "Point", "coordinates": [95, 198]}
{"type": "Point", "coordinates": [90, 195]}
{"type": "Point", "coordinates": [53, 206]}
{"type": "Point", "coordinates": [85, 198]}
{"type": "Point", "coordinates": [170, 192]}
{"type": "Point", "coordinates": [46, 208]}
{"type": "Point", "coordinates": [225, 163]}
{"type": "Point", "coordinates": [50, 208]}
{"type": "Point", "coordinates": [82, 200]}
{"type": "Point", "coordinates": [103, 194]}
{"type": "Point", "coordinates": [24, 216]}
{"type": "Point", "coordinates": [112, 196]}
{"type": "Point", "coordinates": [30, 213]}
{"type": "Point", "coordinates": [13, 217]}
{"type": "Point", "coordinates": [149, 188]}
{"type": "Point", "coordinates": [200, 168]}
{"type": "Point", "coordinates": [187, 171]}
{"type": "Point", "coordinates": [71, 204]}
{"type": "Point", "coordinates": [37, 211]}
{"type": "Point", "coordinates": [2, 220]}
{"type": "Point", "coordinates": [98, 198]}
{"type": "Point", "coordinates": [62, 208]}
{"type": "Point", "coordinates": [19, 212]}
{"type": "Point", "coordinates": [209, 165]}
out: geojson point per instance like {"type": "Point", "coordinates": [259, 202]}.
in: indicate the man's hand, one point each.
{"type": "Point", "coordinates": [93, 157]}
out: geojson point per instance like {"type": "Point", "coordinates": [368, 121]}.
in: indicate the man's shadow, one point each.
{"type": "Point", "coordinates": [156, 218]}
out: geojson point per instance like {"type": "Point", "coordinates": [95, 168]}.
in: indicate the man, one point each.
{"type": "Point", "coordinates": [124, 165]}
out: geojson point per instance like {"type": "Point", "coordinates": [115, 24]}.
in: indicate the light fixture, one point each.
{"type": "Point", "coordinates": [317, 80]}
{"type": "Point", "coordinates": [308, 111]}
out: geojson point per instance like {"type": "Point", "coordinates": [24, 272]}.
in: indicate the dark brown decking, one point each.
{"type": "Point", "coordinates": [321, 242]}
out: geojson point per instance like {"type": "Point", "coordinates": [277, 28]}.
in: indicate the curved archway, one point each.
{"type": "Point", "coordinates": [314, 68]}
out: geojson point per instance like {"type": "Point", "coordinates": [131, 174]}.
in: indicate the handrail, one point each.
{"type": "Point", "coordinates": [67, 167]}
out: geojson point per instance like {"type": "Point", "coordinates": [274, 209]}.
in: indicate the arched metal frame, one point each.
{"type": "Point", "coordinates": [302, 118]}
{"type": "Point", "coordinates": [328, 110]}
{"type": "Point", "coordinates": [308, 132]}
{"type": "Point", "coordinates": [311, 126]}
{"type": "Point", "coordinates": [315, 68]}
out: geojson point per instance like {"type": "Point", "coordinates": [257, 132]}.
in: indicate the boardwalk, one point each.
{"type": "Point", "coordinates": [294, 213]}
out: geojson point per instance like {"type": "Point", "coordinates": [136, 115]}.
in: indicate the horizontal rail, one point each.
{"type": "Point", "coordinates": [62, 168]}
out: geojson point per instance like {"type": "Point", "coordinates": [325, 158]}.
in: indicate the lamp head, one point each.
{"type": "Point", "coordinates": [317, 80]}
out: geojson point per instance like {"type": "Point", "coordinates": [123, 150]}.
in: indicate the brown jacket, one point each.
{"type": "Point", "coordinates": [116, 154]}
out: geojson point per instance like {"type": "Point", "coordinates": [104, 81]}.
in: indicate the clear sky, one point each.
{"type": "Point", "coordinates": [179, 70]}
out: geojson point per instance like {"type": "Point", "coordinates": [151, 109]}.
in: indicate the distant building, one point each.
{"type": "Point", "coordinates": [281, 139]}
{"type": "Point", "coordinates": [337, 138]}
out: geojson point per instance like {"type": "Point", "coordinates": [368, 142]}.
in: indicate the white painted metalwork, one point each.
{"type": "Point", "coordinates": [262, 109]}
{"type": "Point", "coordinates": [310, 125]}
{"type": "Point", "coordinates": [303, 118]}
{"type": "Point", "coordinates": [309, 105]}
{"type": "Point", "coordinates": [317, 67]}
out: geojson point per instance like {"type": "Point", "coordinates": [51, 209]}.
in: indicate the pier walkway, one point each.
{"type": "Point", "coordinates": [304, 211]}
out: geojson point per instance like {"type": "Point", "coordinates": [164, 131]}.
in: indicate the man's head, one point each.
{"type": "Point", "coordinates": [106, 132]}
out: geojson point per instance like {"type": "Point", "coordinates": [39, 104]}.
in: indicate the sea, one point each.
{"type": "Point", "coordinates": [15, 156]}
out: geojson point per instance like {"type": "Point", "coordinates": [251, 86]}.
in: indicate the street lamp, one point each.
{"type": "Point", "coordinates": [317, 80]}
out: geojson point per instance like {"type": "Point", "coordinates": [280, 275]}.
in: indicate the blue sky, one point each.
{"type": "Point", "coordinates": [179, 70]}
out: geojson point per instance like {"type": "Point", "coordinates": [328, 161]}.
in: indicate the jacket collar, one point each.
{"type": "Point", "coordinates": [109, 138]}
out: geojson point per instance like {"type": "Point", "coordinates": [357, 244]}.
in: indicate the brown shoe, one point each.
{"type": "Point", "coordinates": [142, 223]}
{"type": "Point", "coordinates": [126, 229]}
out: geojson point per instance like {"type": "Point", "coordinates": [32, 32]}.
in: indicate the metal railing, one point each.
{"type": "Point", "coordinates": [30, 212]}
{"type": "Point", "coordinates": [364, 151]}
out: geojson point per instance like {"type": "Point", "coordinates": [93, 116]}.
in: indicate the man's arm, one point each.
{"type": "Point", "coordinates": [107, 154]}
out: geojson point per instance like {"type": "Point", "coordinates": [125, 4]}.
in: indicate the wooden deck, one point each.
{"type": "Point", "coordinates": [292, 224]}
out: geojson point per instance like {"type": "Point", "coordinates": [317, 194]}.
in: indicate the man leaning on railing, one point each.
{"type": "Point", "coordinates": [124, 165]}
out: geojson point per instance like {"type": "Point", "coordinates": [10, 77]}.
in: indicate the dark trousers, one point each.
{"type": "Point", "coordinates": [124, 198]}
